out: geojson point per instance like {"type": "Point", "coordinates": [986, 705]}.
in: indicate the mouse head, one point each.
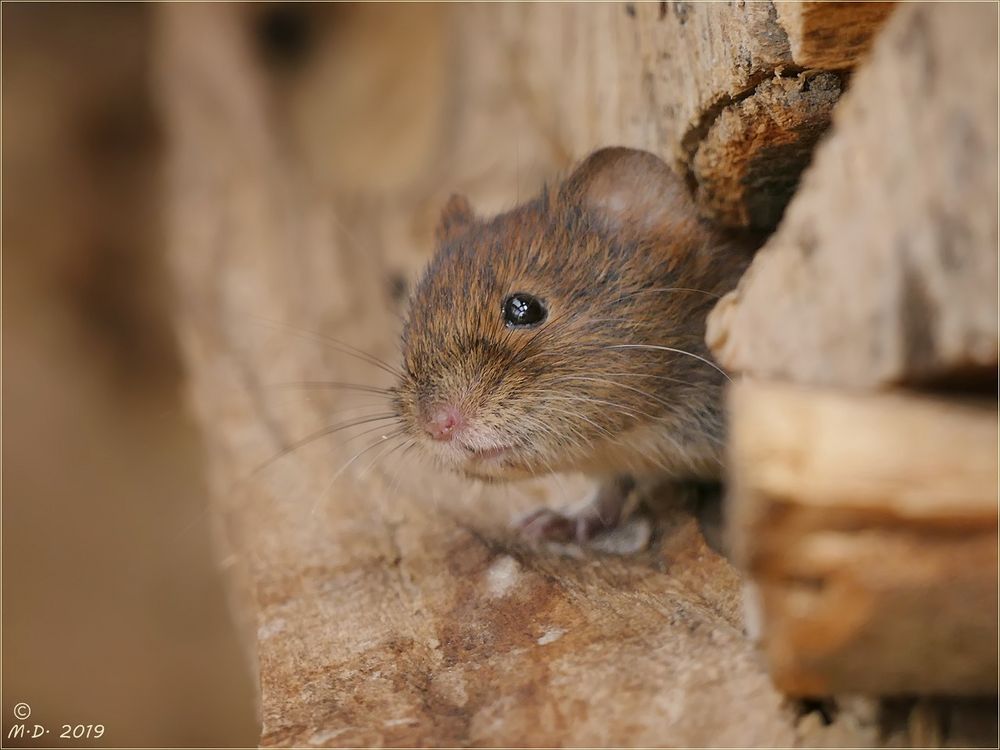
{"type": "Point", "coordinates": [539, 338]}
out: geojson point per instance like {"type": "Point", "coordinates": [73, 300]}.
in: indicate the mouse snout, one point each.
{"type": "Point", "coordinates": [443, 422]}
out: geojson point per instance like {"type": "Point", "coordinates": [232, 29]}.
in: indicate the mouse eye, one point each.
{"type": "Point", "coordinates": [521, 310]}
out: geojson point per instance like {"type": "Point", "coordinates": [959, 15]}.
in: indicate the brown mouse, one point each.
{"type": "Point", "coordinates": [567, 335]}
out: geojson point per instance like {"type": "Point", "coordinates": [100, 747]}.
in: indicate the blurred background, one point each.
{"type": "Point", "coordinates": [114, 608]}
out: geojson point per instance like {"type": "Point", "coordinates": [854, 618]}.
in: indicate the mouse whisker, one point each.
{"type": "Point", "coordinates": [400, 464]}
{"type": "Point", "coordinates": [708, 362]}
{"type": "Point", "coordinates": [597, 319]}
{"type": "Point", "coordinates": [566, 449]}
{"type": "Point", "coordinates": [669, 289]}
{"type": "Point", "coordinates": [382, 439]}
{"type": "Point", "coordinates": [667, 378]}
{"type": "Point", "coordinates": [576, 441]}
{"type": "Point", "coordinates": [634, 413]}
{"type": "Point", "coordinates": [332, 384]}
{"type": "Point", "coordinates": [328, 430]}
{"type": "Point", "coordinates": [548, 430]}
{"type": "Point", "coordinates": [670, 406]}
{"type": "Point", "coordinates": [336, 474]}
{"type": "Point", "coordinates": [686, 383]}
{"type": "Point", "coordinates": [384, 454]}
{"type": "Point", "coordinates": [376, 428]}
{"type": "Point", "coordinates": [577, 416]}
{"type": "Point", "coordinates": [337, 345]}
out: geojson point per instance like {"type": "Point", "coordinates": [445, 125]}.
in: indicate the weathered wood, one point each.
{"type": "Point", "coordinates": [884, 269]}
{"type": "Point", "coordinates": [830, 35]}
{"type": "Point", "coordinates": [869, 526]}
{"type": "Point", "coordinates": [748, 164]}
{"type": "Point", "coordinates": [742, 137]}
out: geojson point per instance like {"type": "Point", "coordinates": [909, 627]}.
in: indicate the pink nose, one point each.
{"type": "Point", "coordinates": [443, 422]}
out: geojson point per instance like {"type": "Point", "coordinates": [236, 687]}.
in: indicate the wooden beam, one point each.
{"type": "Point", "coordinates": [868, 524]}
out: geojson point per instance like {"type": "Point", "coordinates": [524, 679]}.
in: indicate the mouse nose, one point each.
{"type": "Point", "coordinates": [443, 422]}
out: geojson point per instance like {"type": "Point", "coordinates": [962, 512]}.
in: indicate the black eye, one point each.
{"type": "Point", "coordinates": [522, 310]}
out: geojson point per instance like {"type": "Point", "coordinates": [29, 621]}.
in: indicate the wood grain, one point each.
{"type": "Point", "coordinates": [868, 523]}
{"type": "Point", "coordinates": [831, 35]}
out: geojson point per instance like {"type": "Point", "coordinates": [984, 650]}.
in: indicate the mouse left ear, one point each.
{"type": "Point", "coordinates": [456, 216]}
{"type": "Point", "coordinates": [629, 187]}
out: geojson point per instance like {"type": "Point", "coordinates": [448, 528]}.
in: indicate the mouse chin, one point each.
{"type": "Point", "coordinates": [493, 462]}
{"type": "Point", "coordinates": [495, 472]}
{"type": "Point", "coordinates": [495, 465]}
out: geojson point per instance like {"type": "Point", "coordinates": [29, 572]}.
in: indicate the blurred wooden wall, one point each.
{"type": "Point", "coordinates": [114, 607]}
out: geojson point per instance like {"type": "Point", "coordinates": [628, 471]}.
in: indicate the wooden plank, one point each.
{"type": "Point", "coordinates": [868, 524]}
{"type": "Point", "coordinates": [884, 269]}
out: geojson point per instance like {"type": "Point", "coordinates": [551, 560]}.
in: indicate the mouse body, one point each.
{"type": "Point", "coordinates": [567, 335]}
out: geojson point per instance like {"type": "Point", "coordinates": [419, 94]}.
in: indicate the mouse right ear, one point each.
{"type": "Point", "coordinates": [630, 187]}
{"type": "Point", "coordinates": [456, 216]}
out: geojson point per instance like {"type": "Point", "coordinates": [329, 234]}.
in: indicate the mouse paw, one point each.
{"type": "Point", "coordinates": [548, 525]}
{"type": "Point", "coordinates": [602, 513]}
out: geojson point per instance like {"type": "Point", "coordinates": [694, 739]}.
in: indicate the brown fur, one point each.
{"type": "Point", "coordinates": [621, 226]}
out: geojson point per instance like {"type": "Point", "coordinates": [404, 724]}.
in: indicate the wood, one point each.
{"type": "Point", "coordinates": [748, 164]}
{"type": "Point", "coordinates": [869, 526]}
{"type": "Point", "coordinates": [884, 269]}
{"type": "Point", "coordinates": [742, 137]}
{"type": "Point", "coordinates": [830, 35]}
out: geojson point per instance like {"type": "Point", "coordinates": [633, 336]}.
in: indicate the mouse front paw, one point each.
{"type": "Point", "coordinates": [602, 513]}
{"type": "Point", "coordinates": [548, 525]}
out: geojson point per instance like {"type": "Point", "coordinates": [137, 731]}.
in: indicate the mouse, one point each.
{"type": "Point", "coordinates": [567, 336]}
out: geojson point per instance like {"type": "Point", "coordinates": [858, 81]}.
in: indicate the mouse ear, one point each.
{"type": "Point", "coordinates": [630, 188]}
{"type": "Point", "coordinates": [456, 216]}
